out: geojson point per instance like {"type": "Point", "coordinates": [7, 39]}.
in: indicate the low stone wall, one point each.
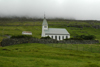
{"type": "Point", "coordinates": [13, 41]}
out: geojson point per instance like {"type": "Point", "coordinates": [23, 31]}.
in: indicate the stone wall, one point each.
{"type": "Point", "coordinates": [13, 41]}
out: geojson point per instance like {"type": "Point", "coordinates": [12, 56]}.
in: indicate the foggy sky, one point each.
{"type": "Point", "coordinates": [78, 9]}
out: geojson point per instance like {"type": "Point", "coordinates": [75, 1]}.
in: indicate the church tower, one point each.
{"type": "Point", "coordinates": [44, 26]}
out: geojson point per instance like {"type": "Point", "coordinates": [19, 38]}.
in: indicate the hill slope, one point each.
{"type": "Point", "coordinates": [40, 55]}
{"type": "Point", "coordinates": [73, 27]}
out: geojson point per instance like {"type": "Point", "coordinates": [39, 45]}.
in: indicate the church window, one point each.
{"type": "Point", "coordinates": [45, 26]}
{"type": "Point", "coordinates": [56, 37]}
{"type": "Point", "coordinates": [66, 36]}
{"type": "Point", "coordinates": [52, 37]}
{"type": "Point", "coordinates": [59, 37]}
{"type": "Point", "coordinates": [62, 37]}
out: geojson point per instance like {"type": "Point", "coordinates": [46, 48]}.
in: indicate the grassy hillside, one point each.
{"type": "Point", "coordinates": [94, 48]}
{"type": "Point", "coordinates": [41, 55]}
{"type": "Point", "coordinates": [73, 27]}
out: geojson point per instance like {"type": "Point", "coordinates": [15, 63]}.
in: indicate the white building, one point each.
{"type": "Point", "coordinates": [27, 33]}
{"type": "Point", "coordinates": [54, 33]}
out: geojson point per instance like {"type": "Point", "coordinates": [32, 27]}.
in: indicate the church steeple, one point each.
{"type": "Point", "coordinates": [44, 16]}
{"type": "Point", "coordinates": [44, 24]}
{"type": "Point", "coordinates": [45, 21]}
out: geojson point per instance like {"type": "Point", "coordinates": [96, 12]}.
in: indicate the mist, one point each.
{"type": "Point", "coordinates": [75, 9]}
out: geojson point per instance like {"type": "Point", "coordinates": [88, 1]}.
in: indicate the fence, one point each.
{"type": "Point", "coordinates": [78, 47]}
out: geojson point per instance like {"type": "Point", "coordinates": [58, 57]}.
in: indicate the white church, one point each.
{"type": "Point", "coordinates": [54, 33]}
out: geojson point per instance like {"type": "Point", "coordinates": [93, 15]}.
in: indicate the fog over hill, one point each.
{"type": "Point", "coordinates": [70, 9]}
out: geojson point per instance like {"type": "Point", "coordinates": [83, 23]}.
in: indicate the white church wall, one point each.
{"type": "Point", "coordinates": [57, 37]}
{"type": "Point", "coordinates": [45, 27]}
{"type": "Point", "coordinates": [64, 36]}
{"type": "Point", "coordinates": [68, 36]}
{"type": "Point", "coordinates": [53, 36]}
{"type": "Point", "coordinates": [46, 35]}
{"type": "Point", "coordinates": [61, 37]}
{"type": "Point", "coordinates": [43, 34]}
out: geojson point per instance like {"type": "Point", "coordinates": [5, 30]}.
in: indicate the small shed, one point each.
{"type": "Point", "coordinates": [27, 33]}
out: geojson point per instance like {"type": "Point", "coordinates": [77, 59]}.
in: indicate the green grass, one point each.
{"type": "Point", "coordinates": [36, 30]}
{"type": "Point", "coordinates": [17, 30]}
{"type": "Point", "coordinates": [95, 48]}
{"type": "Point", "coordinates": [41, 55]}
{"type": "Point", "coordinates": [45, 55]}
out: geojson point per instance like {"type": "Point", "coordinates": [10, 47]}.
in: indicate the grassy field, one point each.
{"type": "Point", "coordinates": [17, 30]}
{"type": "Point", "coordinates": [73, 27]}
{"type": "Point", "coordinates": [49, 55]}
{"type": "Point", "coordinates": [94, 48]}
{"type": "Point", "coordinates": [41, 55]}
